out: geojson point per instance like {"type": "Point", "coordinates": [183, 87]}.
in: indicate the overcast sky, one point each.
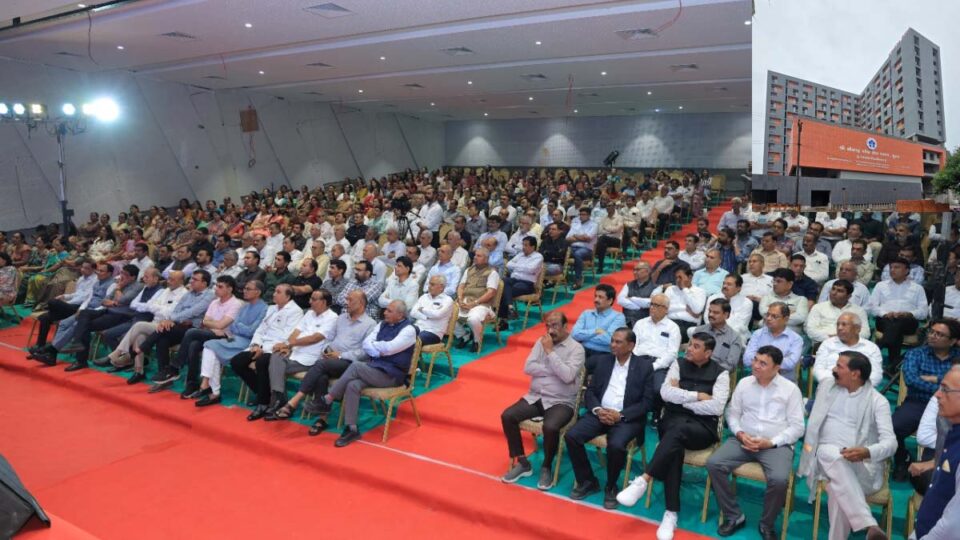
{"type": "Point", "coordinates": [842, 43]}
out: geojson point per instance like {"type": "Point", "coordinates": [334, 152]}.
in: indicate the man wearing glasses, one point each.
{"type": "Point", "coordinates": [923, 371]}
{"type": "Point", "coordinates": [939, 515]}
{"type": "Point", "coordinates": [775, 332]}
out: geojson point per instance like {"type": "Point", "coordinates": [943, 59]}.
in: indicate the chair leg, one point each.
{"type": "Point", "coordinates": [386, 425]}
{"type": "Point", "coordinates": [706, 501]}
{"type": "Point", "coordinates": [626, 470]}
{"type": "Point", "coordinates": [526, 314]}
{"type": "Point", "coordinates": [649, 493]}
{"type": "Point", "coordinates": [556, 461]}
{"type": "Point", "coordinates": [453, 374]}
{"type": "Point", "coordinates": [816, 510]}
{"type": "Point", "coordinates": [33, 330]}
{"type": "Point", "coordinates": [416, 413]}
{"type": "Point", "coordinates": [340, 420]}
{"type": "Point", "coordinates": [496, 324]}
{"type": "Point", "coordinates": [889, 512]}
{"type": "Point", "coordinates": [787, 508]}
{"type": "Point", "coordinates": [433, 358]}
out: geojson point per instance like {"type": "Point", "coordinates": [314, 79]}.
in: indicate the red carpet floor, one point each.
{"type": "Point", "coordinates": [107, 460]}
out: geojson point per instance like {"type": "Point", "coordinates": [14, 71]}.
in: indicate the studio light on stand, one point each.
{"type": "Point", "coordinates": [36, 116]}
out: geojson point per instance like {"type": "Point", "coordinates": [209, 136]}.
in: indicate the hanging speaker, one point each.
{"type": "Point", "coordinates": [17, 506]}
{"type": "Point", "coordinates": [249, 121]}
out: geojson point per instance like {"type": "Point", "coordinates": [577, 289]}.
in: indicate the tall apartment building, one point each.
{"type": "Point", "coordinates": [904, 99]}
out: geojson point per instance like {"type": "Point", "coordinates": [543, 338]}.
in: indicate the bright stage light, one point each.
{"type": "Point", "coordinates": [103, 109]}
{"type": "Point", "coordinates": [19, 109]}
{"type": "Point", "coordinates": [4, 110]}
{"type": "Point", "coordinates": [36, 109]}
{"type": "Point", "coordinates": [69, 109]}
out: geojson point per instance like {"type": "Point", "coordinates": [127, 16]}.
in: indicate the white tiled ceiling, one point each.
{"type": "Point", "coordinates": [579, 41]}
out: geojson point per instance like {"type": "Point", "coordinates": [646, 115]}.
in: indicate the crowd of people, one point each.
{"type": "Point", "coordinates": [339, 285]}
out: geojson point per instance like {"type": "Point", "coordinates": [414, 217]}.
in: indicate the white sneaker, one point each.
{"type": "Point", "coordinates": [632, 493]}
{"type": "Point", "coordinates": [667, 526]}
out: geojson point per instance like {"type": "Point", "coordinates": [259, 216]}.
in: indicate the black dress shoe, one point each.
{"type": "Point", "coordinates": [136, 377]}
{"type": "Point", "coordinates": [768, 533]}
{"type": "Point", "coordinates": [259, 412]}
{"type": "Point", "coordinates": [46, 359]}
{"type": "Point", "coordinates": [348, 436]}
{"type": "Point", "coordinates": [207, 400]}
{"type": "Point", "coordinates": [188, 390]}
{"type": "Point", "coordinates": [77, 366]}
{"type": "Point", "coordinates": [731, 526]}
{"type": "Point", "coordinates": [196, 394]}
{"type": "Point", "coordinates": [610, 498]}
{"type": "Point", "coordinates": [115, 369]}
{"type": "Point", "coordinates": [582, 491]}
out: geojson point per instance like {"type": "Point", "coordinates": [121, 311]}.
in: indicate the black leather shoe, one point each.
{"type": "Point", "coordinates": [731, 526]}
{"type": "Point", "coordinates": [207, 400]}
{"type": "Point", "coordinates": [136, 377]}
{"type": "Point", "coordinates": [610, 498]}
{"type": "Point", "coordinates": [191, 391]}
{"type": "Point", "coordinates": [46, 359]}
{"type": "Point", "coordinates": [115, 369]}
{"type": "Point", "coordinates": [582, 491]}
{"type": "Point", "coordinates": [768, 533]}
{"type": "Point", "coordinates": [77, 366]}
{"type": "Point", "coordinates": [347, 437]}
{"type": "Point", "coordinates": [259, 412]}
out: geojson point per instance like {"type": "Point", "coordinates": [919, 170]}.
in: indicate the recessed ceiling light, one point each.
{"type": "Point", "coordinates": [469, 82]}
{"type": "Point", "coordinates": [575, 111]}
{"type": "Point", "coordinates": [247, 25]}
{"type": "Point", "coordinates": [260, 72]}
{"type": "Point", "coordinates": [383, 58]}
{"type": "Point", "coordinates": [680, 107]}
{"type": "Point", "coordinates": [81, 5]}
{"type": "Point", "coordinates": [432, 104]}
{"type": "Point", "coordinates": [649, 93]}
{"type": "Point", "coordinates": [120, 47]}
{"type": "Point", "coordinates": [538, 43]}
{"type": "Point", "coordinates": [656, 110]}
{"type": "Point", "coordinates": [603, 73]}
{"type": "Point", "coordinates": [747, 22]}
{"type": "Point", "coordinates": [360, 90]}
{"type": "Point", "coordinates": [485, 114]}
{"type": "Point", "coordinates": [530, 98]}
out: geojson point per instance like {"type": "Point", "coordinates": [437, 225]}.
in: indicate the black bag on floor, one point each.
{"type": "Point", "coordinates": [17, 506]}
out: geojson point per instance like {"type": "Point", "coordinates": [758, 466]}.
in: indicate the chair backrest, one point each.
{"type": "Point", "coordinates": [71, 287]}
{"type": "Point", "coordinates": [452, 324]}
{"type": "Point", "coordinates": [444, 229]}
{"type": "Point", "coordinates": [497, 298]}
{"type": "Point", "coordinates": [414, 362]}
{"type": "Point", "coordinates": [538, 286]}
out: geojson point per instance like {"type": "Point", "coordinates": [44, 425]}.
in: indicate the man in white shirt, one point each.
{"type": "Point", "coordinates": [515, 244]}
{"type": "Point", "coordinates": [822, 320]}
{"type": "Point", "coordinates": [264, 248]}
{"type": "Point", "coordinates": [428, 253]}
{"type": "Point", "coordinates": [393, 248]}
{"type": "Point", "coordinates": [460, 256]}
{"type": "Point", "coordinates": [695, 391]}
{"type": "Point", "coordinates": [446, 267]}
{"type": "Point", "coordinates": [841, 250]}
{"type": "Point", "coordinates": [690, 254]}
{"type": "Point", "coordinates": [834, 225]}
{"type": "Point", "coordinates": [783, 292]}
{"type": "Point", "coordinates": [849, 337]}
{"type": "Point", "coordinates": [431, 217]}
{"type": "Point", "coordinates": [756, 284]}
{"type": "Point", "coordinates": [524, 272]}
{"type": "Point", "coordinates": [432, 312]}
{"type": "Point", "coordinates": [687, 302]}
{"type": "Point", "coordinates": [505, 205]}
{"type": "Point", "coordinates": [899, 305]}
{"type": "Point", "coordinates": [583, 239]}
{"type": "Point", "coordinates": [659, 338]}
{"type": "Point", "coordinates": [280, 321]}
{"type": "Point", "coordinates": [765, 416]}
{"type": "Point", "coordinates": [796, 225]}
{"type": "Point", "coordinates": [741, 308]}
{"type": "Point", "coordinates": [663, 207]}
{"type": "Point", "coordinates": [299, 351]}
{"type": "Point", "coordinates": [371, 255]}
{"type": "Point", "coordinates": [611, 233]}
{"type": "Point", "coordinates": [847, 271]}
{"type": "Point", "coordinates": [818, 265]}
{"type": "Point", "coordinates": [951, 300]}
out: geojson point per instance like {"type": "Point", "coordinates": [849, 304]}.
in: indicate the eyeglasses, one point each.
{"type": "Point", "coordinates": [664, 306]}
{"type": "Point", "coordinates": [554, 325]}
{"type": "Point", "coordinates": [947, 390]}
{"type": "Point", "coordinates": [937, 334]}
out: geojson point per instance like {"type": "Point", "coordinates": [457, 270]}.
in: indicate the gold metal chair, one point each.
{"type": "Point", "coordinates": [559, 279]}
{"type": "Point", "coordinates": [881, 498]}
{"type": "Point", "coordinates": [535, 427]}
{"type": "Point", "coordinates": [494, 319]}
{"type": "Point", "coordinates": [443, 347]}
{"type": "Point", "coordinates": [753, 471]}
{"type": "Point", "coordinates": [533, 299]}
{"type": "Point", "coordinates": [600, 442]}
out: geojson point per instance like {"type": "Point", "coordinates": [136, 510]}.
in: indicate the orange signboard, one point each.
{"type": "Point", "coordinates": [834, 147]}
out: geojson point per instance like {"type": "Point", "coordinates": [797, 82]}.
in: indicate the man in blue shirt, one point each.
{"type": "Point", "coordinates": [775, 332]}
{"type": "Point", "coordinates": [594, 327]}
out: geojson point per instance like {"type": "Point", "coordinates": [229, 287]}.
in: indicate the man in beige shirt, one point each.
{"type": "Point", "coordinates": [772, 257]}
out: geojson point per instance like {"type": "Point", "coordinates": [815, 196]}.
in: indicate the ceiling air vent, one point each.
{"type": "Point", "coordinates": [215, 77]}
{"type": "Point", "coordinates": [458, 51]}
{"type": "Point", "coordinates": [588, 94]}
{"type": "Point", "coordinates": [534, 77]}
{"type": "Point", "coordinates": [70, 54]}
{"type": "Point", "coordinates": [630, 109]}
{"type": "Point", "coordinates": [328, 10]}
{"type": "Point", "coordinates": [533, 112]}
{"type": "Point", "coordinates": [684, 67]}
{"type": "Point", "coordinates": [637, 34]}
{"type": "Point", "coordinates": [313, 93]}
{"type": "Point", "coordinates": [319, 65]}
{"type": "Point", "coordinates": [413, 85]}
{"type": "Point", "coordinates": [718, 89]}
{"type": "Point", "coordinates": [179, 35]}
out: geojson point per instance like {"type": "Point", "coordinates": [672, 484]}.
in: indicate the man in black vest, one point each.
{"type": "Point", "coordinates": [618, 400]}
{"type": "Point", "coordinates": [695, 392]}
{"type": "Point", "coordinates": [634, 297]}
{"type": "Point", "coordinates": [383, 370]}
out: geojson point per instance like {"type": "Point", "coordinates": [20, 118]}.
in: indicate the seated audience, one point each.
{"type": "Point", "coordinates": [524, 272]}
{"type": "Point", "coordinates": [847, 271]}
{"type": "Point", "coordinates": [938, 517]}
{"type": "Point", "coordinates": [634, 297]}
{"type": "Point", "coordinates": [363, 280]}
{"type": "Point", "coordinates": [741, 308]}
{"type": "Point", "coordinates": [710, 277]}
{"type": "Point", "coordinates": [775, 332]}
{"type": "Point", "coordinates": [663, 270]}
{"type": "Point", "coordinates": [401, 285]}
{"type": "Point", "coordinates": [582, 239]}
{"type": "Point", "coordinates": [821, 322]}
{"type": "Point", "coordinates": [476, 294]}
{"type": "Point", "coordinates": [848, 336]}
{"type": "Point", "coordinates": [783, 293]}
{"type": "Point", "coordinates": [449, 270]}
{"type": "Point", "coordinates": [687, 302]}
{"type": "Point", "coordinates": [899, 305]}
{"type": "Point", "coordinates": [594, 327]}
{"type": "Point", "coordinates": [729, 348]}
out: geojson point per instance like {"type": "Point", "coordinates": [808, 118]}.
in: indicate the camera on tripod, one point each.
{"type": "Point", "coordinates": [401, 204]}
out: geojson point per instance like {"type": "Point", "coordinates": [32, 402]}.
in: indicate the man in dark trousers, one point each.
{"type": "Point", "coordinates": [617, 401]}
{"type": "Point", "coordinates": [695, 392]}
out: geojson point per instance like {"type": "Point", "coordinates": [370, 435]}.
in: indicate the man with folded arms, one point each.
{"type": "Point", "coordinates": [554, 367]}
{"type": "Point", "coordinates": [432, 312]}
{"type": "Point", "coordinates": [849, 437]}
{"type": "Point", "coordinates": [282, 317]}
{"type": "Point", "coordinates": [766, 418]}
{"type": "Point", "coordinates": [618, 400]}
{"type": "Point", "coordinates": [821, 322]}
{"type": "Point", "coordinates": [849, 337]}
{"type": "Point", "coordinates": [390, 346]}
{"type": "Point", "coordinates": [695, 392]}
{"type": "Point", "coordinates": [634, 297]}
{"type": "Point", "coordinates": [299, 352]}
